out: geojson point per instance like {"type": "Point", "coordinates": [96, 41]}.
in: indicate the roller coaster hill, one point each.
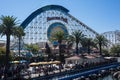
{"type": "Point", "coordinates": [40, 25]}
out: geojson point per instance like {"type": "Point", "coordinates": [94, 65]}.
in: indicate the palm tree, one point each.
{"type": "Point", "coordinates": [19, 33]}
{"type": "Point", "coordinates": [48, 51]}
{"type": "Point", "coordinates": [59, 37]}
{"type": "Point", "coordinates": [87, 43]}
{"type": "Point", "coordinates": [69, 42]}
{"type": "Point", "coordinates": [7, 28]}
{"type": "Point", "coordinates": [101, 41]}
{"type": "Point", "coordinates": [76, 37]}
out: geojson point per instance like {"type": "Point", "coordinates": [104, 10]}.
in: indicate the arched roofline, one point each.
{"type": "Point", "coordinates": [40, 10]}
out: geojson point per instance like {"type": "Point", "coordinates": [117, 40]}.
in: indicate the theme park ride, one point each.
{"type": "Point", "coordinates": [40, 25]}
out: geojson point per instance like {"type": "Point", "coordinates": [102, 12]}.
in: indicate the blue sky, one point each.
{"type": "Point", "coordinates": [100, 15]}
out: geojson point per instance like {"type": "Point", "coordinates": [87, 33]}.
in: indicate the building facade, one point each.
{"type": "Point", "coordinates": [113, 37]}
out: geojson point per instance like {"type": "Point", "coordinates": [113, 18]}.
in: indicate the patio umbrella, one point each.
{"type": "Point", "coordinates": [51, 62]}
{"type": "Point", "coordinates": [16, 62]}
{"type": "Point", "coordinates": [33, 64]}
{"type": "Point", "coordinates": [56, 62]}
{"type": "Point", "coordinates": [43, 63]}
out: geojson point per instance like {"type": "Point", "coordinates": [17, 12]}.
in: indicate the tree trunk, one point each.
{"type": "Point", "coordinates": [19, 46]}
{"type": "Point", "coordinates": [88, 49]}
{"type": "Point", "coordinates": [60, 56]}
{"type": "Point", "coordinates": [7, 65]}
{"type": "Point", "coordinates": [77, 48]}
{"type": "Point", "coordinates": [100, 49]}
{"type": "Point", "coordinates": [60, 51]}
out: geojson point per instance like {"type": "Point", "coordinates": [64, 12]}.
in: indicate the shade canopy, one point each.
{"type": "Point", "coordinates": [74, 60]}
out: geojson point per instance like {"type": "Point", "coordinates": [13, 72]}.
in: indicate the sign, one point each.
{"type": "Point", "coordinates": [57, 18]}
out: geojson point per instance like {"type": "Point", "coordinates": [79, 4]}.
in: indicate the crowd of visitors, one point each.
{"type": "Point", "coordinates": [23, 70]}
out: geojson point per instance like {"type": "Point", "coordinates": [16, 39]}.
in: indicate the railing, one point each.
{"type": "Point", "coordinates": [92, 71]}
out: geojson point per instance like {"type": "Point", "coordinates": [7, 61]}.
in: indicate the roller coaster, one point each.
{"type": "Point", "coordinates": [39, 25]}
